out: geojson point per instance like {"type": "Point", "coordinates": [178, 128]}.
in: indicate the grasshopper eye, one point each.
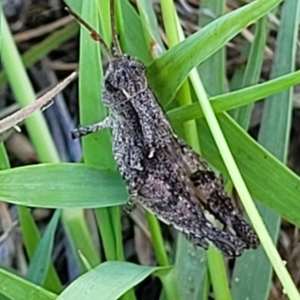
{"type": "Point", "coordinates": [110, 87]}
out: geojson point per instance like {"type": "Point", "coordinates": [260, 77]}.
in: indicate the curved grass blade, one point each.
{"type": "Point", "coordinates": [277, 111]}
{"type": "Point", "coordinates": [243, 192]}
{"type": "Point", "coordinates": [77, 185]}
{"type": "Point", "coordinates": [256, 163]}
{"type": "Point", "coordinates": [237, 98]}
{"type": "Point", "coordinates": [165, 77]}
{"type": "Point", "coordinates": [110, 280]}
{"type": "Point", "coordinates": [17, 288]}
{"type": "Point", "coordinates": [41, 260]}
{"type": "Point", "coordinates": [67, 185]}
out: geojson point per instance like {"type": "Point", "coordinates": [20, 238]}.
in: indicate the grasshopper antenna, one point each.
{"type": "Point", "coordinates": [116, 44]}
{"type": "Point", "coordinates": [94, 34]}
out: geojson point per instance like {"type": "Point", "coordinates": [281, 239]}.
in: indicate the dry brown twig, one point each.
{"type": "Point", "coordinates": [23, 113]}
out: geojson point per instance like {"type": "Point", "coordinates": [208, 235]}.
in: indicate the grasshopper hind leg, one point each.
{"type": "Point", "coordinates": [228, 244]}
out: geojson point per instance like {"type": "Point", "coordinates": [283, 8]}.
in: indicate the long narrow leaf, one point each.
{"type": "Point", "coordinates": [40, 262]}
{"type": "Point", "coordinates": [17, 288]}
{"type": "Point", "coordinates": [165, 76]}
{"type": "Point", "coordinates": [108, 281]}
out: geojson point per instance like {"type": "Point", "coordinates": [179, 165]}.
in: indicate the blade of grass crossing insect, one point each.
{"type": "Point", "coordinates": [147, 19]}
{"type": "Point", "coordinates": [91, 111]}
{"type": "Point", "coordinates": [246, 266]}
{"type": "Point", "coordinates": [215, 83]}
{"type": "Point", "coordinates": [91, 108]}
{"type": "Point", "coordinates": [243, 191]}
{"type": "Point", "coordinates": [189, 283]}
{"type": "Point", "coordinates": [253, 161]}
{"type": "Point", "coordinates": [275, 128]}
{"type": "Point", "coordinates": [153, 224]}
{"type": "Point", "coordinates": [246, 273]}
{"type": "Point", "coordinates": [41, 260]}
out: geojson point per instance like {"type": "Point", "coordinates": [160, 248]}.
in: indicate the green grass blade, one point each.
{"type": "Point", "coordinates": [75, 185]}
{"type": "Point", "coordinates": [110, 280]}
{"type": "Point", "coordinates": [133, 41]}
{"type": "Point", "coordinates": [253, 69]}
{"type": "Point", "coordinates": [24, 94]}
{"type": "Point", "coordinates": [4, 164]}
{"type": "Point", "coordinates": [165, 77]}
{"type": "Point", "coordinates": [175, 34]}
{"type": "Point", "coordinates": [41, 260]}
{"type": "Point", "coordinates": [44, 146]}
{"type": "Point", "coordinates": [278, 109]}
{"type": "Point", "coordinates": [213, 70]}
{"type": "Point", "coordinates": [275, 138]}
{"type": "Point", "coordinates": [40, 50]}
{"type": "Point", "coordinates": [158, 242]}
{"type": "Point", "coordinates": [79, 237]}
{"type": "Point", "coordinates": [31, 240]}
{"type": "Point", "coordinates": [243, 192]}
{"type": "Point", "coordinates": [97, 147]}
{"type": "Point", "coordinates": [4, 160]}
{"type": "Point", "coordinates": [17, 288]}
{"type": "Point", "coordinates": [237, 98]}
{"type": "Point", "coordinates": [167, 277]}
{"type": "Point", "coordinates": [92, 109]}
{"type": "Point", "coordinates": [242, 115]}
{"type": "Point", "coordinates": [69, 185]}
{"type": "Point", "coordinates": [215, 83]}
{"type": "Point", "coordinates": [217, 272]}
{"type": "Point", "coordinates": [150, 25]}
{"type": "Point", "coordinates": [191, 271]}
{"type": "Point", "coordinates": [256, 164]}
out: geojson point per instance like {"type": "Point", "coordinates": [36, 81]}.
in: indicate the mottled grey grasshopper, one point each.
{"type": "Point", "coordinates": [161, 171]}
